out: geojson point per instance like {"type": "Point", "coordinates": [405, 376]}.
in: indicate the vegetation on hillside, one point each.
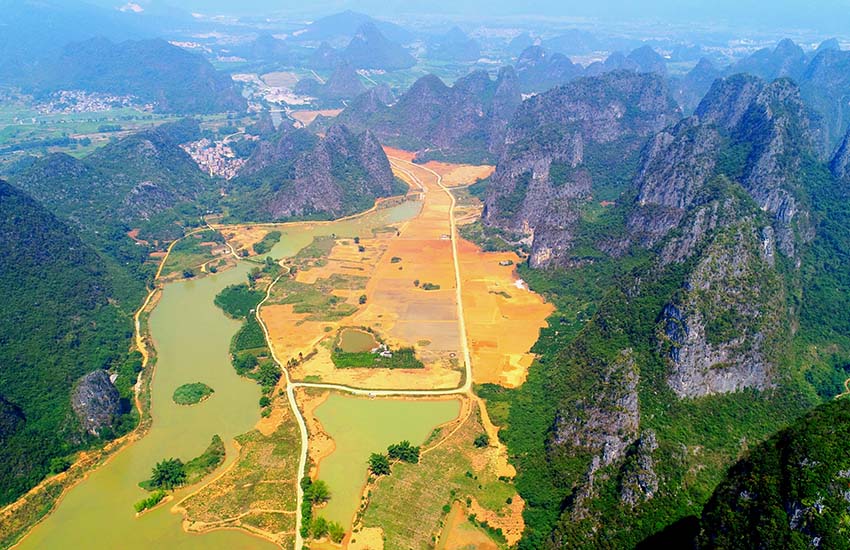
{"type": "Point", "coordinates": [788, 492]}
{"type": "Point", "coordinates": [608, 305]}
{"type": "Point", "coordinates": [65, 313]}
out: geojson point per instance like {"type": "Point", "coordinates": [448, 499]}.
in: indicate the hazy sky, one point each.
{"type": "Point", "coordinates": [819, 14]}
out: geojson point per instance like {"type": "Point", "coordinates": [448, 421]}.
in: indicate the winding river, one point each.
{"type": "Point", "coordinates": [192, 338]}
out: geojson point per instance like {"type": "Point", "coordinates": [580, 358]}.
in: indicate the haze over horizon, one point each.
{"type": "Point", "coordinates": [830, 15]}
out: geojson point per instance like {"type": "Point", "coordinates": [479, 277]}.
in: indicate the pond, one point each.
{"type": "Point", "coordinates": [352, 340]}
{"type": "Point", "coordinates": [361, 426]}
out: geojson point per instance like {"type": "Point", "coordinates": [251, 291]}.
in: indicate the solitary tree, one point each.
{"type": "Point", "coordinates": [168, 474]}
{"type": "Point", "coordinates": [318, 492]}
{"type": "Point", "coordinates": [482, 440]}
{"type": "Point", "coordinates": [319, 528]}
{"type": "Point", "coordinates": [336, 531]}
{"type": "Point", "coordinates": [379, 464]}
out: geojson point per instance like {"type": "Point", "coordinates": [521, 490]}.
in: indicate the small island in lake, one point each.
{"type": "Point", "coordinates": [191, 394]}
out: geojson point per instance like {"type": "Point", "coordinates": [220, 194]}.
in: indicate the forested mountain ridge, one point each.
{"type": "Point", "coordinates": [687, 322]}
{"type": "Point", "coordinates": [62, 318]}
{"type": "Point", "coordinates": [173, 80]}
{"type": "Point", "coordinates": [790, 491]}
{"type": "Point", "coordinates": [130, 182]}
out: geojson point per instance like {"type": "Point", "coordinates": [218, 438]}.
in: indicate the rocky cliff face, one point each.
{"type": "Point", "coordinates": [96, 402]}
{"type": "Point", "coordinates": [840, 163]}
{"type": "Point", "coordinates": [604, 425]}
{"type": "Point", "coordinates": [744, 128]}
{"type": "Point", "coordinates": [722, 329]}
{"type": "Point", "coordinates": [544, 175]}
{"type": "Point", "coordinates": [464, 122]}
{"type": "Point", "coordinates": [298, 174]}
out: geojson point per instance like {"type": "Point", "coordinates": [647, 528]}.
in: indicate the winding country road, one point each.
{"type": "Point", "coordinates": [464, 388]}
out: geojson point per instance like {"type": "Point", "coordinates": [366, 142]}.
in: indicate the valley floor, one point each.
{"type": "Point", "coordinates": [403, 274]}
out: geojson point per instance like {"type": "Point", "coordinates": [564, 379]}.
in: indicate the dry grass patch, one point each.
{"type": "Point", "coordinates": [258, 491]}
{"type": "Point", "coordinates": [503, 319]}
{"type": "Point", "coordinates": [412, 504]}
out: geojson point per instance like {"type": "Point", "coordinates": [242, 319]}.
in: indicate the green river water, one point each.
{"type": "Point", "coordinates": [192, 337]}
{"type": "Point", "coordinates": [361, 426]}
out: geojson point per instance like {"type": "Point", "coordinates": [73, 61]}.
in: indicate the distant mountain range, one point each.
{"type": "Point", "coordinates": [539, 70]}
{"type": "Point", "coordinates": [455, 45]}
{"type": "Point", "coordinates": [367, 49]}
{"type": "Point", "coordinates": [465, 121]}
{"type": "Point", "coordinates": [154, 71]}
{"type": "Point", "coordinates": [342, 26]}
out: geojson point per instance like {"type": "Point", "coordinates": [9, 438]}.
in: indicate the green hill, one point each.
{"type": "Point", "coordinates": [788, 492]}
{"type": "Point", "coordinates": [61, 319]}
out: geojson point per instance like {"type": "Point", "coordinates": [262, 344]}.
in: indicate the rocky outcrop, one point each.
{"type": "Point", "coordinates": [639, 481]}
{"type": "Point", "coordinates": [96, 402]}
{"type": "Point", "coordinates": [297, 174]}
{"type": "Point", "coordinates": [721, 332]}
{"type": "Point", "coordinates": [603, 425]}
{"type": "Point", "coordinates": [542, 177]}
{"type": "Point", "coordinates": [840, 163]}
{"type": "Point", "coordinates": [744, 128]}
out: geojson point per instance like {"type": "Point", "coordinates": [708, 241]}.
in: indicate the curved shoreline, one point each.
{"type": "Point", "coordinates": [464, 389]}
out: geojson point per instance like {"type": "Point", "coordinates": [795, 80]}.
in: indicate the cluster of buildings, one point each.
{"type": "Point", "coordinates": [78, 101]}
{"type": "Point", "coordinates": [214, 157]}
{"type": "Point", "coordinates": [259, 91]}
